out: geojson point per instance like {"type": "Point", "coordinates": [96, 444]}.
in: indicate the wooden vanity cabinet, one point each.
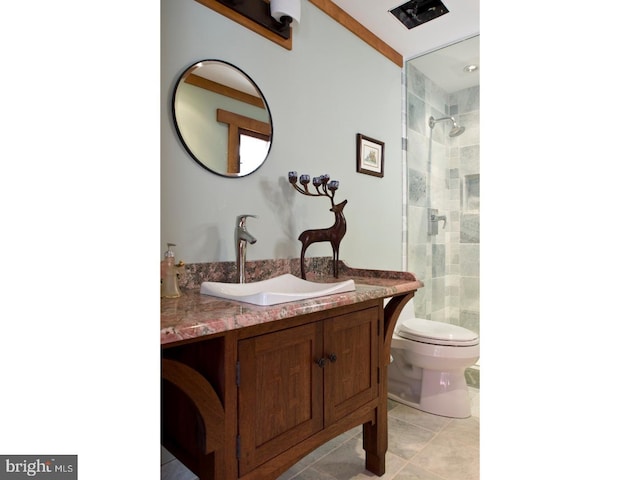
{"type": "Point", "coordinates": [257, 399]}
{"type": "Point", "coordinates": [295, 382]}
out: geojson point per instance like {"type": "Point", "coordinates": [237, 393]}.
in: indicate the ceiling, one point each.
{"type": "Point", "coordinates": [443, 67]}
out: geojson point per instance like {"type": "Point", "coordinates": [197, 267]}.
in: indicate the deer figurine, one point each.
{"type": "Point", "coordinates": [333, 234]}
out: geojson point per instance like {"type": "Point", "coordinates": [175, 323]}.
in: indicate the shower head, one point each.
{"type": "Point", "coordinates": [455, 131]}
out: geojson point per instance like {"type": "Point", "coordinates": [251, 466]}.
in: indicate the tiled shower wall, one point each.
{"type": "Point", "coordinates": [444, 173]}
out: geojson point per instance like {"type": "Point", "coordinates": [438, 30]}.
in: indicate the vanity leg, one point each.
{"type": "Point", "coordinates": [375, 442]}
{"type": "Point", "coordinates": [230, 468]}
{"type": "Point", "coordinates": [375, 435]}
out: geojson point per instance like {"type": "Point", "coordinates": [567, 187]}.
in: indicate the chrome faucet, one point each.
{"type": "Point", "coordinates": [241, 239]}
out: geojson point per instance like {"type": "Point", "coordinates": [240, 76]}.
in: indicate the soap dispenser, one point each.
{"type": "Point", "coordinates": [169, 274]}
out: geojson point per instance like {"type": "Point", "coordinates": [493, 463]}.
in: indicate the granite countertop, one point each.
{"type": "Point", "coordinates": [194, 315]}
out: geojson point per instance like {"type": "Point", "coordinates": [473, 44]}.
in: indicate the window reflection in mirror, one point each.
{"type": "Point", "coordinates": [252, 149]}
{"type": "Point", "coordinates": [217, 109]}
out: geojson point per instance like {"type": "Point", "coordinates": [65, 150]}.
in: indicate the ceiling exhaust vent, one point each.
{"type": "Point", "coordinates": [417, 12]}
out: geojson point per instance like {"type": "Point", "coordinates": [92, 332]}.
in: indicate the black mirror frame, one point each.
{"type": "Point", "coordinates": [177, 128]}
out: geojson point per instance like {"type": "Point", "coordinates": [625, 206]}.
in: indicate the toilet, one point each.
{"type": "Point", "coordinates": [428, 360]}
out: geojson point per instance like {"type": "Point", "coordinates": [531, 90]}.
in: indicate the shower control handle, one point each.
{"type": "Point", "coordinates": [437, 218]}
{"type": "Point", "coordinates": [434, 218]}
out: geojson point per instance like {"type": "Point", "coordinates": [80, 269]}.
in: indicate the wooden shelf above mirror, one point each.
{"type": "Point", "coordinates": [248, 23]}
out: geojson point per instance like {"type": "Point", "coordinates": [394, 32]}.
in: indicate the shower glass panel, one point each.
{"type": "Point", "coordinates": [443, 175]}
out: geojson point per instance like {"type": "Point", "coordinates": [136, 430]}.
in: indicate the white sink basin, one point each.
{"type": "Point", "coordinates": [281, 289]}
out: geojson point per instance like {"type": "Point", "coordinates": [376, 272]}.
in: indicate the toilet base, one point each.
{"type": "Point", "coordinates": [441, 393]}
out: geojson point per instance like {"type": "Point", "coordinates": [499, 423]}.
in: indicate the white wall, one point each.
{"type": "Point", "coordinates": [330, 87]}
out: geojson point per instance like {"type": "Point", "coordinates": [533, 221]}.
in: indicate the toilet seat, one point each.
{"type": "Point", "coordinates": [438, 333]}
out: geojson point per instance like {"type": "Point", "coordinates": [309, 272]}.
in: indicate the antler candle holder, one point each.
{"type": "Point", "coordinates": [334, 234]}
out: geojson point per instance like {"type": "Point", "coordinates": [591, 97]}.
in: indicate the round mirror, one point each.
{"type": "Point", "coordinates": [222, 118]}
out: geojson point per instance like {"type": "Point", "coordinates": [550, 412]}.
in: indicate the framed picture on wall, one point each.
{"type": "Point", "coordinates": [369, 156]}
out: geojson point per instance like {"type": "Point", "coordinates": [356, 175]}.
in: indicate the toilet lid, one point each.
{"type": "Point", "coordinates": [440, 333]}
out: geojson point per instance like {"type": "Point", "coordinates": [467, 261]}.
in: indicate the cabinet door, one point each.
{"type": "Point", "coordinates": [351, 373]}
{"type": "Point", "coordinates": [280, 392]}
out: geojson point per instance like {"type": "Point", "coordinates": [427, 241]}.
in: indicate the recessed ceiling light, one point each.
{"type": "Point", "coordinates": [470, 68]}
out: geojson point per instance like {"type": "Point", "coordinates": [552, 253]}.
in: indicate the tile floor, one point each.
{"type": "Point", "coordinates": [172, 469]}
{"type": "Point", "coordinates": [421, 446]}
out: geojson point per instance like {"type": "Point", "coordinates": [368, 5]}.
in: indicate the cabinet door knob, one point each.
{"type": "Point", "coordinates": [321, 363]}
{"type": "Point", "coordinates": [333, 357]}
